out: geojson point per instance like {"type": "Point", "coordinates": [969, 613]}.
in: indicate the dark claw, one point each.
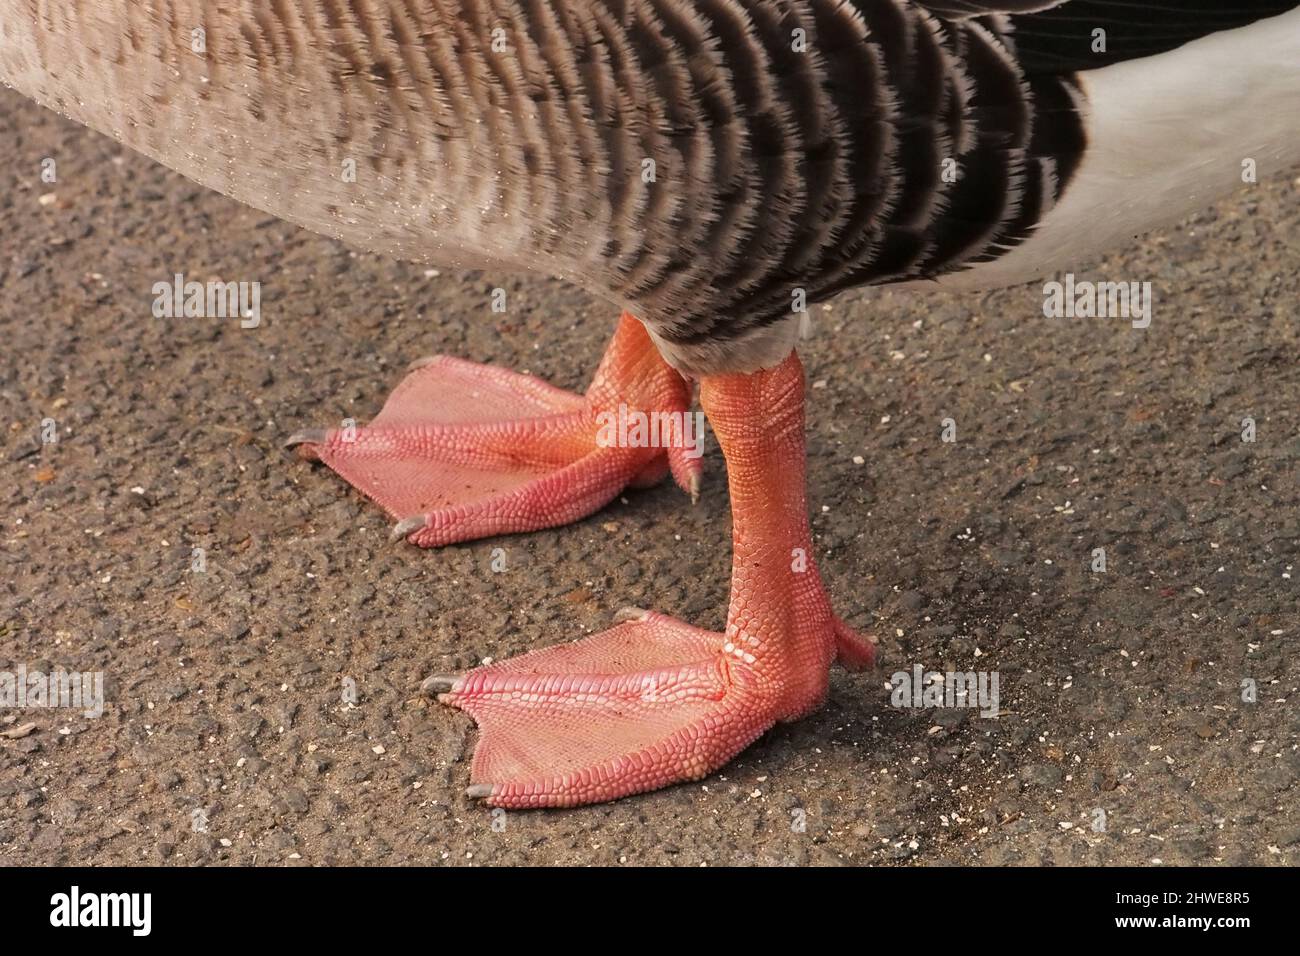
{"type": "Point", "coordinates": [407, 526]}
{"type": "Point", "coordinates": [438, 684]}
{"type": "Point", "coordinates": [308, 436]}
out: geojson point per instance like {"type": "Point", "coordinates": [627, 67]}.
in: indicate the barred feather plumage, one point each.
{"type": "Point", "coordinates": [704, 164]}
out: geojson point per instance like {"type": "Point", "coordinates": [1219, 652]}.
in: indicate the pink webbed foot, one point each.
{"type": "Point", "coordinates": [647, 703]}
{"type": "Point", "coordinates": [653, 701]}
{"type": "Point", "coordinates": [463, 451]}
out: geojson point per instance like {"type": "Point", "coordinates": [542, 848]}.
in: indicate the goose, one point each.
{"type": "Point", "coordinates": [710, 168]}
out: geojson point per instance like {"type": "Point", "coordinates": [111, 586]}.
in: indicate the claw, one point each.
{"type": "Point", "coordinates": [422, 362]}
{"type": "Point", "coordinates": [479, 791]}
{"type": "Point", "coordinates": [308, 436]}
{"type": "Point", "coordinates": [438, 684]}
{"type": "Point", "coordinates": [631, 614]}
{"type": "Point", "coordinates": [406, 527]}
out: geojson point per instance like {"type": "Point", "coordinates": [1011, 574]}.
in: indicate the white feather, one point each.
{"type": "Point", "coordinates": [1167, 135]}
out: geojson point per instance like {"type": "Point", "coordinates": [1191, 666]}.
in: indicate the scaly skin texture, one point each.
{"type": "Point", "coordinates": [463, 451]}
{"type": "Point", "coordinates": [654, 701]}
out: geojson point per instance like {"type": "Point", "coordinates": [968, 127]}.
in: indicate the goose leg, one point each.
{"type": "Point", "coordinates": [462, 450]}
{"type": "Point", "coordinates": [654, 701]}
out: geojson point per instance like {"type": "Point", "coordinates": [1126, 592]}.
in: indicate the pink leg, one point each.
{"type": "Point", "coordinates": [463, 450]}
{"type": "Point", "coordinates": [654, 701]}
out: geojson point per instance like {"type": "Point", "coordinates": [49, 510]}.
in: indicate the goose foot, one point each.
{"type": "Point", "coordinates": [463, 451]}
{"type": "Point", "coordinates": [648, 703]}
{"type": "Point", "coordinates": [654, 701]}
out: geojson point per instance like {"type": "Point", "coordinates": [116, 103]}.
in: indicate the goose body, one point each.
{"type": "Point", "coordinates": [712, 167]}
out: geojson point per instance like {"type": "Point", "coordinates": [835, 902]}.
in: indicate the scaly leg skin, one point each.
{"type": "Point", "coordinates": [463, 451]}
{"type": "Point", "coordinates": [654, 701]}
